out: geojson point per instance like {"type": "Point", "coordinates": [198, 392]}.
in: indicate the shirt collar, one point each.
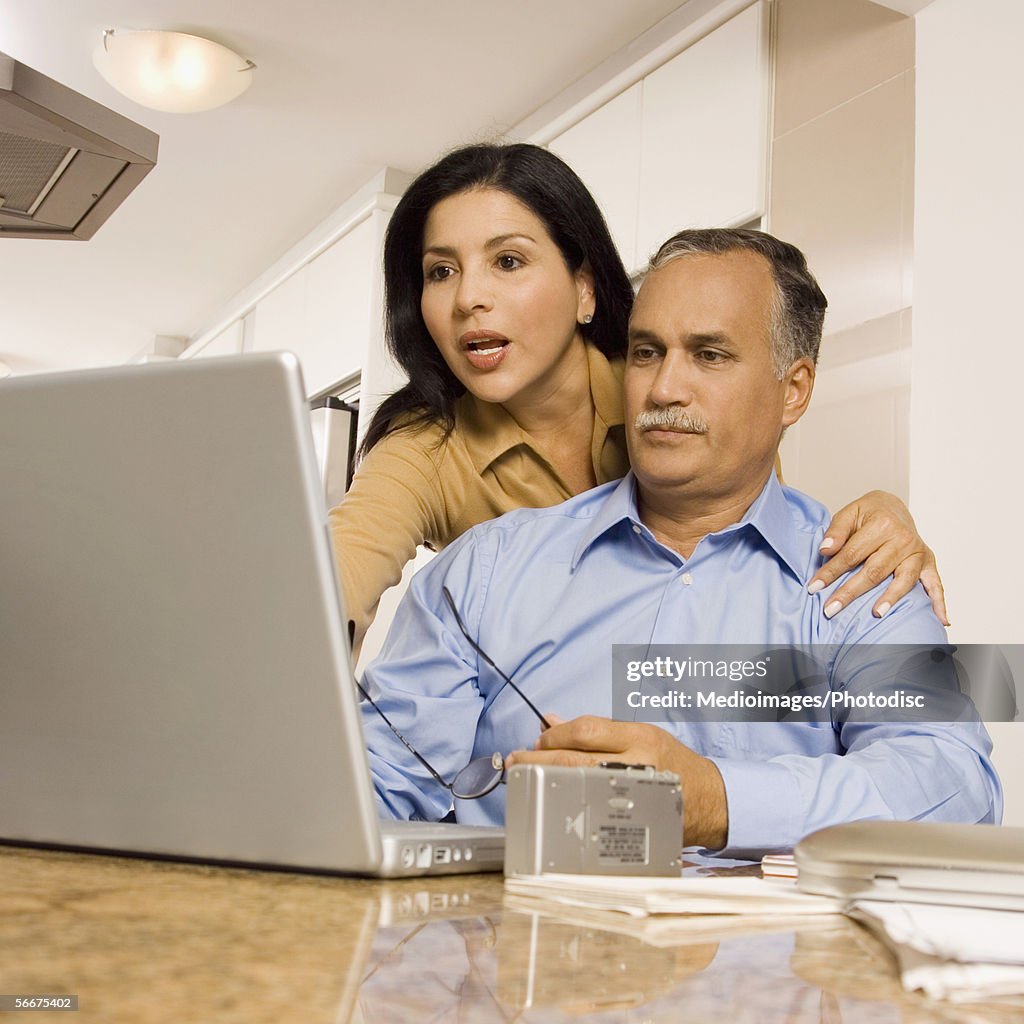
{"type": "Point", "coordinates": [488, 430]}
{"type": "Point", "coordinates": [618, 507]}
{"type": "Point", "coordinates": [770, 515]}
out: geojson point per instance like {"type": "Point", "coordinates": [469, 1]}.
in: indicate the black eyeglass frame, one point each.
{"type": "Point", "coordinates": [486, 772]}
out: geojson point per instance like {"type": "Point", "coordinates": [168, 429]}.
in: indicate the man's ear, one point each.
{"type": "Point", "coordinates": [586, 303]}
{"type": "Point", "coordinates": [799, 385]}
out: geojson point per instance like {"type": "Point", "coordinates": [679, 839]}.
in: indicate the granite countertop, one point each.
{"type": "Point", "coordinates": [140, 940]}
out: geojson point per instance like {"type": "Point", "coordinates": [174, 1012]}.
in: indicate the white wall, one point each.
{"type": "Point", "coordinates": [968, 343]}
{"type": "Point", "coordinates": [842, 189]}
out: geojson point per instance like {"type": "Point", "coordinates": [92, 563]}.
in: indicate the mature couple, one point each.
{"type": "Point", "coordinates": [699, 542]}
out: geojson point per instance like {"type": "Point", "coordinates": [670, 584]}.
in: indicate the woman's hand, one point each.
{"type": "Point", "coordinates": [877, 534]}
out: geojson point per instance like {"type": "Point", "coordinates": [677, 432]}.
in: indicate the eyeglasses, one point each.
{"type": "Point", "coordinates": [483, 774]}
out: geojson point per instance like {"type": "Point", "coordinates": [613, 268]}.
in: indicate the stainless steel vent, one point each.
{"type": "Point", "coordinates": [66, 162]}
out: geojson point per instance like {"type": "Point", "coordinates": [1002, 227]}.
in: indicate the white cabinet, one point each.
{"type": "Point", "coordinates": [687, 146]}
{"type": "Point", "coordinates": [323, 311]}
{"type": "Point", "coordinates": [604, 150]}
{"type": "Point", "coordinates": [279, 319]}
{"type": "Point", "coordinates": [227, 343]}
{"type": "Point", "coordinates": [322, 300]}
{"type": "Point", "coordinates": [704, 136]}
{"type": "Point", "coordinates": [341, 313]}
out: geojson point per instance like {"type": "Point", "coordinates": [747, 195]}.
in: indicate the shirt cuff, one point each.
{"type": "Point", "coordinates": [764, 805]}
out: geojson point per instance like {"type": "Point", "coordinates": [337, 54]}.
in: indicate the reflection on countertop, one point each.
{"type": "Point", "coordinates": [141, 940]}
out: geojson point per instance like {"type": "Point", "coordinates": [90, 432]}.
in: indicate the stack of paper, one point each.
{"type": "Point", "coordinates": [641, 896]}
{"type": "Point", "coordinates": [779, 865]}
{"type": "Point", "coordinates": [958, 953]}
{"type": "Point", "coordinates": [672, 929]}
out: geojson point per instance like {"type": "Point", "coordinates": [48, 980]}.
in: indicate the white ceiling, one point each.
{"type": "Point", "coordinates": [343, 88]}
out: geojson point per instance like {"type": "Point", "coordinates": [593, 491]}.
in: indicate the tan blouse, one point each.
{"type": "Point", "coordinates": [414, 489]}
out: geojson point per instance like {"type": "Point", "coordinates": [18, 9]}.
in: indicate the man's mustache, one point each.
{"type": "Point", "coordinates": [671, 417]}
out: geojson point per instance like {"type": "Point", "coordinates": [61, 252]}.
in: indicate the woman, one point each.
{"type": "Point", "coordinates": [507, 306]}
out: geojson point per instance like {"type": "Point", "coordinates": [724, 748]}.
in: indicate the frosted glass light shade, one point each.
{"type": "Point", "coordinates": [171, 71]}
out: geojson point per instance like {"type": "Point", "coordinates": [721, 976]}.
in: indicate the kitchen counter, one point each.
{"type": "Point", "coordinates": [141, 940]}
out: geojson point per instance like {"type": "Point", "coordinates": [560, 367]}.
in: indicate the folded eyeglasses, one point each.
{"type": "Point", "coordinates": [483, 774]}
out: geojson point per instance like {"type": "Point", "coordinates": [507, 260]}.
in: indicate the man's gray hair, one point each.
{"type": "Point", "coordinates": [798, 311]}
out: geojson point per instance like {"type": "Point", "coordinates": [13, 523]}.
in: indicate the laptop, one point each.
{"type": "Point", "coordinates": [175, 675]}
{"type": "Point", "coordinates": [915, 862]}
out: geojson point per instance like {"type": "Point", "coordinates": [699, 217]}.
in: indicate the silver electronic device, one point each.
{"type": "Point", "coordinates": [915, 862]}
{"type": "Point", "coordinates": [175, 676]}
{"type": "Point", "coordinates": [610, 820]}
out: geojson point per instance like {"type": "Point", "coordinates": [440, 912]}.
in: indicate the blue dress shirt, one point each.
{"type": "Point", "coordinates": [547, 592]}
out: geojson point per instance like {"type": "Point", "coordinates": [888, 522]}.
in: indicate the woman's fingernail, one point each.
{"type": "Point", "coordinates": [831, 609]}
{"type": "Point", "coordinates": [815, 587]}
{"type": "Point", "coordinates": [827, 543]}
{"type": "Point", "coordinates": [883, 609]}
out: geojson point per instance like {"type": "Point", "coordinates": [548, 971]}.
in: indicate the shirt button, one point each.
{"type": "Point", "coordinates": [687, 578]}
{"type": "Point", "coordinates": [636, 529]}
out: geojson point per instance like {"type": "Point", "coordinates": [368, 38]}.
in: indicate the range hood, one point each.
{"type": "Point", "coordinates": [66, 162]}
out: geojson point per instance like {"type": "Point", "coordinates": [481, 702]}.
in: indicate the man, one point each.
{"type": "Point", "coordinates": [698, 544]}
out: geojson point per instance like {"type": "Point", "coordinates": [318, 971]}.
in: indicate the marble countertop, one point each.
{"type": "Point", "coordinates": [141, 941]}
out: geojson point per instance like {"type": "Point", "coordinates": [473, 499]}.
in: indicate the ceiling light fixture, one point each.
{"type": "Point", "coordinates": [171, 71]}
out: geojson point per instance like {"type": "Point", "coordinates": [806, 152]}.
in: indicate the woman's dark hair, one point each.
{"type": "Point", "coordinates": [551, 189]}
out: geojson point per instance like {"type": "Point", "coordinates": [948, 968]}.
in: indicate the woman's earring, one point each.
{"type": "Point", "coordinates": [587, 317]}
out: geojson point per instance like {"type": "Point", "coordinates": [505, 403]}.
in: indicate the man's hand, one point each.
{"type": "Point", "coordinates": [589, 740]}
